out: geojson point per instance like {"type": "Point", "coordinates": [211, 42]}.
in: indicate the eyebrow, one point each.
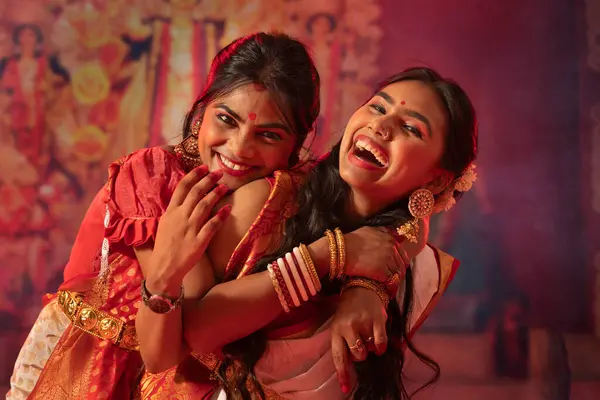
{"type": "Point", "coordinates": [271, 125]}
{"type": "Point", "coordinates": [409, 112]}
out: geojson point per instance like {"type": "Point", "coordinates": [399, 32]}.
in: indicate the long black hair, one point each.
{"type": "Point", "coordinates": [275, 61]}
{"type": "Point", "coordinates": [321, 203]}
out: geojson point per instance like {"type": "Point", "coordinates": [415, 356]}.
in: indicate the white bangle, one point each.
{"type": "Point", "coordinates": [307, 278]}
{"type": "Point", "coordinates": [294, 267]}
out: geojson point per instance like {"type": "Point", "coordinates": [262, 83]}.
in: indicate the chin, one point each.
{"type": "Point", "coordinates": [355, 180]}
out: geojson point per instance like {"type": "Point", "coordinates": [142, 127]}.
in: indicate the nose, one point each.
{"type": "Point", "coordinates": [241, 146]}
{"type": "Point", "coordinates": [381, 127]}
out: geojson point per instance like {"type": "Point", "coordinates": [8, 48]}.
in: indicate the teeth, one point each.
{"type": "Point", "coordinates": [364, 145]}
{"type": "Point", "coordinates": [232, 165]}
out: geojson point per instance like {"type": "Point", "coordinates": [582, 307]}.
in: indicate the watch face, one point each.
{"type": "Point", "coordinates": [159, 305]}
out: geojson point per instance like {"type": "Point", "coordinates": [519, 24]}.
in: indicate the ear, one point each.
{"type": "Point", "coordinates": [441, 180]}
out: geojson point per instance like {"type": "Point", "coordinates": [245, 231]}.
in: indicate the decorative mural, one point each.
{"type": "Point", "coordinates": [84, 82]}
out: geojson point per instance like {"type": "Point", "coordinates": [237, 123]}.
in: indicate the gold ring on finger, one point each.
{"type": "Point", "coordinates": [395, 278]}
{"type": "Point", "coordinates": [358, 346]}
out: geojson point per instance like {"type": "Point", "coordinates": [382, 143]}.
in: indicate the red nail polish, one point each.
{"type": "Point", "coordinates": [226, 210]}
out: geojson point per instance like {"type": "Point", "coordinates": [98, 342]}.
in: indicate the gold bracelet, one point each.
{"type": "Point", "coordinates": [310, 265]}
{"type": "Point", "coordinates": [368, 284]}
{"type": "Point", "coordinates": [333, 255]}
{"type": "Point", "coordinates": [341, 245]}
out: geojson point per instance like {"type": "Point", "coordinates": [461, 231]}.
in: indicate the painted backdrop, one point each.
{"type": "Point", "coordinates": [84, 82]}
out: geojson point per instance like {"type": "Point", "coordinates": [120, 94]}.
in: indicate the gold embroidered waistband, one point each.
{"type": "Point", "coordinates": [212, 362]}
{"type": "Point", "coordinates": [96, 322]}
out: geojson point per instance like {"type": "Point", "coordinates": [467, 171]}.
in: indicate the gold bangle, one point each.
{"type": "Point", "coordinates": [310, 265]}
{"type": "Point", "coordinates": [333, 255]}
{"type": "Point", "coordinates": [368, 284]}
{"type": "Point", "coordinates": [341, 245]}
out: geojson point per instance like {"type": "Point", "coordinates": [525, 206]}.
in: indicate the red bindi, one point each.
{"type": "Point", "coordinates": [259, 88]}
{"type": "Point", "coordinates": [252, 116]}
{"type": "Point", "coordinates": [403, 102]}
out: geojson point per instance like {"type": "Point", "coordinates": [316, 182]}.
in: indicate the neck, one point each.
{"type": "Point", "coordinates": [359, 207]}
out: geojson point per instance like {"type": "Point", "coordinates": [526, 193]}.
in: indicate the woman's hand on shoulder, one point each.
{"type": "Point", "coordinates": [373, 253]}
{"type": "Point", "coordinates": [186, 228]}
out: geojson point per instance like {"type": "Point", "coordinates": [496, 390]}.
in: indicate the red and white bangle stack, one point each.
{"type": "Point", "coordinates": [294, 278]}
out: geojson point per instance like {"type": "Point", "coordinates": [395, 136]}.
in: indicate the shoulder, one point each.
{"type": "Point", "coordinates": [272, 192]}
{"type": "Point", "coordinates": [251, 194]}
{"type": "Point", "coordinates": [247, 202]}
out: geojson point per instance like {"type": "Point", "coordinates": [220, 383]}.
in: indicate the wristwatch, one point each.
{"type": "Point", "coordinates": [160, 304]}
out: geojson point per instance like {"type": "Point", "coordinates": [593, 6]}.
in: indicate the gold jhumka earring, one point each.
{"type": "Point", "coordinates": [420, 205]}
{"type": "Point", "coordinates": [187, 150]}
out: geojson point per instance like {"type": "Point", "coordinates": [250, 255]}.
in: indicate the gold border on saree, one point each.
{"type": "Point", "coordinates": [96, 322]}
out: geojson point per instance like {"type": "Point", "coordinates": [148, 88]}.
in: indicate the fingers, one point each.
{"type": "Point", "coordinates": [356, 345]}
{"type": "Point", "coordinates": [199, 190]}
{"type": "Point", "coordinates": [212, 226]}
{"type": "Point", "coordinates": [379, 337]}
{"type": "Point", "coordinates": [393, 282]}
{"type": "Point", "coordinates": [370, 343]}
{"type": "Point", "coordinates": [401, 257]}
{"type": "Point", "coordinates": [204, 207]}
{"type": "Point", "coordinates": [186, 184]}
{"type": "Point", "coordinates": [342, 364]}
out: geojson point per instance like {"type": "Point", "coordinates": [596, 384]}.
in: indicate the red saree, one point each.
{"type": "Point", "coordinates": [96, 356]}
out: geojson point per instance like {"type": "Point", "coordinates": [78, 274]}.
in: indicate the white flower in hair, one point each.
{"type": "Point", "coordinates": [445, 200]}
{"type": "Point", "coordinates": [465, 182]}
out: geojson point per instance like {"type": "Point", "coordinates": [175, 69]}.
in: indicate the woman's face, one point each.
{"type": "Point", "coordinates": [393, 144]}
{"type": "Point", "coordinates": [27, 38]}
{"type": "Point", "coordinates": [320, 27]}
{"type": "Point", "coordinates": [245, 134]}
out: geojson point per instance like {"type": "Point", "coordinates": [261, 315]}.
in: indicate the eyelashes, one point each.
{"type": "Point", "coordinates": [230, 121]}
{"type": "Point", "coordinates": [412, 129]}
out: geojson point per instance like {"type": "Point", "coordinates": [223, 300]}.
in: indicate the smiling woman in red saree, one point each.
{"type": "Point", "coordinates": [84, 342]}
{"type": "Point", "coordinates": [87, 327]}
{"type": "Point", "coordinates": [407, 152]}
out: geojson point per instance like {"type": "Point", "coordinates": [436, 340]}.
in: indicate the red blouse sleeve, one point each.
{"type": "Point", "coordinates": [138, 192]}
